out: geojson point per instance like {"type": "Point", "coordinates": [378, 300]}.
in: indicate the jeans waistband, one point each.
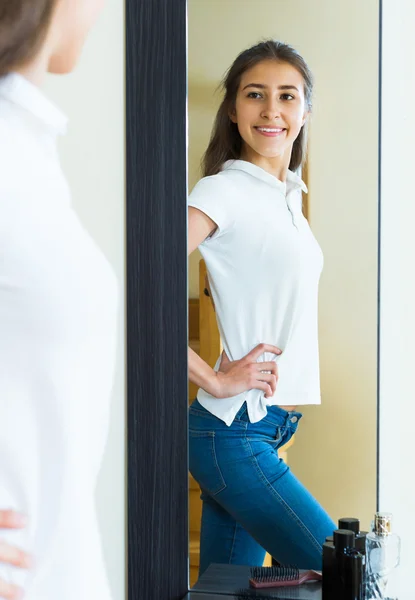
{"type": "Point", "coordinates": [284, 417]}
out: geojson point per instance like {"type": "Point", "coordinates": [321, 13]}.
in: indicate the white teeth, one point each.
{"type": "Point", "coordinates": [268, 130]}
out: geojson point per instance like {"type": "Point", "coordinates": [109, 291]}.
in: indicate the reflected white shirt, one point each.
{"type": "Point", "coordinates": [264, 267]}
{"type": "Point", "coordinates": [58, 300]}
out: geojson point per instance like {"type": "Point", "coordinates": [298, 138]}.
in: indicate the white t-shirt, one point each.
{"type": "Point", "coordinates": [264, 266]}
{"type": "Point", "coordinates": [58, 300]}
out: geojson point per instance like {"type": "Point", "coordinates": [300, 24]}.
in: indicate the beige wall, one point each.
{"type": "Point", "coordinates": [335, 450]}
{"type": "Point", "coordinates": [92, 155]}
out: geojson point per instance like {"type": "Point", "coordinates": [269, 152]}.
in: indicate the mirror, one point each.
{"type": "Point", "coordinates": [334, 451]}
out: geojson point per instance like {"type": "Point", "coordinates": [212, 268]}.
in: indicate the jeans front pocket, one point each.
{"type": "Point", "coordinates": [203, 463]}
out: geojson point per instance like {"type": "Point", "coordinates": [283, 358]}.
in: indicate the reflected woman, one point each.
{"type": "Point", "coordinates": [264, 265]}
{"type": "Point", "coordinates": [58, 299]}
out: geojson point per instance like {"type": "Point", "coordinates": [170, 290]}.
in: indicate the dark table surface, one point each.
{"type": "Point", "coordinates": [233, 579]}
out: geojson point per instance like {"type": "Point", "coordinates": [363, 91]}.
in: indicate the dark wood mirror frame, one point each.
{"type": "Point", "coordinates": [157, 299]}
{"type": "Point", "coordinates": [156, 239]}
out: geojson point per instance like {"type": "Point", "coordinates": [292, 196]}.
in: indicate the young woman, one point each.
{"type": "Point", "coordinates": [57, 318]}
{"type": "Point", "coordinates": [264, 265]}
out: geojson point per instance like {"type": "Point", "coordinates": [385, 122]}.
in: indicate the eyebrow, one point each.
{"type": "Point", "coordinates": [261, 86]}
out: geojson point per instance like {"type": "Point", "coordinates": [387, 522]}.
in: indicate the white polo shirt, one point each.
{"type": "Point", "coordinates": [58, 299]}
{"type": "Point", "coordinates": [264, 266]}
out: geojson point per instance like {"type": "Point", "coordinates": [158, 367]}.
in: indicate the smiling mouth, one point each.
{"type": "Point", "coordinates": [272, 130]}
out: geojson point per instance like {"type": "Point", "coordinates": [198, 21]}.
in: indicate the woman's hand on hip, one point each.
{"type": "Point", "coordinates": [11, 555]}
{"type": "Point", "coordinates": [235, 377]}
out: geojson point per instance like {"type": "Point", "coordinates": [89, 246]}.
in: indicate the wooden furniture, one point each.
{"type": "Point", "coordinates": [204, 339]}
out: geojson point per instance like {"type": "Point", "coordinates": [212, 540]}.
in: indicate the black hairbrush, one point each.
{"type": "Point", "coordinates": [269, 577]}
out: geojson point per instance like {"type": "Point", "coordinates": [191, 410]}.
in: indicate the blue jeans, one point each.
{"type": "Point", "coordinates": [252, 502]}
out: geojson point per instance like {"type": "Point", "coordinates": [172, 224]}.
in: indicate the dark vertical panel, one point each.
{"type": "Point", "coordinates": [156, 299]}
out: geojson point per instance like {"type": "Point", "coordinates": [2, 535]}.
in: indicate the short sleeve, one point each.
{"type": "Point", "coordinates": [213, 196]}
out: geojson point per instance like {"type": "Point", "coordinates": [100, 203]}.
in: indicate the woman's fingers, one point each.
{"type": "Point", "coordinates": [264, 387]}
{"type": "Point", "coordinates": [247, 373]}
{"type": "Point", "coordinates": [10, 519]}
{"type": "Point", "coordinates": [254, 354]}
{"type": "Point", "coordinates": [267, 366]}
{"type": "Point", "coordinates": [270, 381]}
{"type": "Point", "coordinates": [14, 556]}
{"type": "Point", "coordinates": [8, 591]}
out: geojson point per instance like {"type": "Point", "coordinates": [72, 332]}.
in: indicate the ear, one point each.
{"type": "Point", "coordinates": [305, 118]}
{"type": "Point", "coordinates": [232, 115]}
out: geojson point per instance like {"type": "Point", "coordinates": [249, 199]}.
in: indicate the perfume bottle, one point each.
{"type": "Point", "coordinates": [382, 559]}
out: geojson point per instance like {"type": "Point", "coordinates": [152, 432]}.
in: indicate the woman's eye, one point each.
{"type": "Point", "coordinates": [254, 95]}
{"type": "Point", "coordinates": [287, 97]}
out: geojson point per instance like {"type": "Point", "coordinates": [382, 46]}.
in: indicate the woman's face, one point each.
{"type": "Point", "coordinates": [70, 26]}
{"type": "Point", "coordinates": [270, 109]}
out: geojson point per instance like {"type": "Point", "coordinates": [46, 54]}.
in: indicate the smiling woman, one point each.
{"type": "Point", "coordinates": [256, 193]}
{"type": "Point", "coordinates": [274, 67]}
{"type": "Point", "coordinates": [264, 265]}
{"type": "Point", "coordinates": [270, 104]}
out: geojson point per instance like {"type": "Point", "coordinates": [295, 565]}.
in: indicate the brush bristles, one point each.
{"type": "Point", "coordinates": [268, 574]}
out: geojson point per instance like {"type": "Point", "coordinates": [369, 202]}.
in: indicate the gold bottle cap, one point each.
{"type": "Point", "coordinates": [383, 523]}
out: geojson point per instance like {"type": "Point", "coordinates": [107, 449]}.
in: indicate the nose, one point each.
{"type": "Point", "coordinates": [271, 111]}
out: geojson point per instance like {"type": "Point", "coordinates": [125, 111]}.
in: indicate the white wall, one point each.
{"type": "Point", "coordinates": [397, 351]}
{"type": "Point", "coordinates": [93, 160]}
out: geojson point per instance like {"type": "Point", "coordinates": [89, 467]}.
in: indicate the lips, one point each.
{"type": "Point", "coordinates": [270, 131]}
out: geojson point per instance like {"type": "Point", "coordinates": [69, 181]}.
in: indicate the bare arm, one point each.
{"type": "Point", "coordinates": [200, 373]}
{"type": "Point", "coordinates": [237, 376]}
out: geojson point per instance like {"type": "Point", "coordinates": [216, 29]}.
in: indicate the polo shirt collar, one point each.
{"type": "Point", "coordinates": [293, 180]}
{"type": "Point", "coordinates": [21, 92]}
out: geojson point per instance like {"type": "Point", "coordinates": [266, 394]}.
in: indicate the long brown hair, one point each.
{"type": "Point", "coordinates": [23, 27]}
{"type": "Point", "coordinates": [226, 142]}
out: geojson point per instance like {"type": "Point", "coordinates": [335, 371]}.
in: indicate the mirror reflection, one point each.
{"type": "Point", "coordinates": [283, 171]}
